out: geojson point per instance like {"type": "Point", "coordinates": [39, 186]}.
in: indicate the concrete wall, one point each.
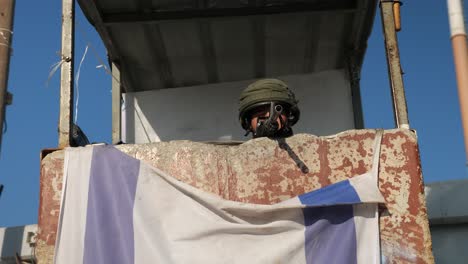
{"type": "Point", "coordinates": [209, 112]}
{"type": "Point", "coordinates": [448, 217]}
{"type": "Point", "coordinates": [17, 240]}
{"type": "Point", "coordinates": [447, 203]}
{"type": "Point", "coordinates": [450, 243]}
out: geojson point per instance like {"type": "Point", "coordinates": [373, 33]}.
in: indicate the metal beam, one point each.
{"type": "Point", "coordinates": [159, 55]}
{"type": "Point", "coordinates": [207, 45]}
{"type": "Point", "coordinates": [161, 15]}
{"type": "Point", "coordinates": [344, 38]}
{"type": "Point", "coordinates": [313, 26]}
{"type": "Point", "coordinates": [208, 51]}
{"type": "Point", "coordinates": [157, 50]}
{"type": "Point", "coordinates": [355, 55]}
{"type": "Point", "coordinates": [258, 25]}
{"type": "Point", "coordinates": [7, 8]}
{"type": "Point", "coordinates": [93, 13]}
{"type": "Point", "coordinates": [116, 105]}
{"type": "Point", "coordinates": [127, 80]}
{"type": "Point", "coordinates": [394, 66]}
{"type": "Point", "coordinates": [353, 70]}
{"type": "Point", "coordinates": [259, 45]}
{"type": "Point", "coordinates": [66, 76]}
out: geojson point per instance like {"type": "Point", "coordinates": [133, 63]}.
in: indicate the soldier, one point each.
{"type": "Point", "coordinates": [268, 108]}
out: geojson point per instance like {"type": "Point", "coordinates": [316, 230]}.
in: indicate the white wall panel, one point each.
{"type": "Point", "coordinates": [209, 112]}
{"type": "Point", "coordinates": [17, 240]}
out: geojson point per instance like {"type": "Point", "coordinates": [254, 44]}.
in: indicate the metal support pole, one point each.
{"type": "Point", "coordinates": [116, 105]}
{"type": "Point", "coordinates": [394, 67]}
{"type": "Point", "coordinates": [460, 57]}
{"type": "Point", "coordinates": [7, 10]}
{"type": "Point", "coordinates": [66, 76]}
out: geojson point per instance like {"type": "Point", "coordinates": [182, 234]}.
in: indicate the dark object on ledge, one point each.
{"type": "Point", "coordinates": [78, 137]}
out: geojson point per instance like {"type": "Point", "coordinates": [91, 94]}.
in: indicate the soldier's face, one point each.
{"type": "Point", "coordinates": [263, 114]}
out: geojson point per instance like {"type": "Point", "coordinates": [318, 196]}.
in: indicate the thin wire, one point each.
{"type": "Point", "coordinates": [102, 64]}
{"type": "Point", "coordinates": [7, 41]}
{"type": "Point", "coordinates": [54, 69]}
{"type": "Point", "coordinates": [98, 57]}
{"type": "Point", "coordinates": [109, 72]}
{"type": "Point", "coordinates": [77, 82]}
{"type": "Point", "coordinates": [5, 38]}
{"type": "Point", "coordinates": [6, 29]}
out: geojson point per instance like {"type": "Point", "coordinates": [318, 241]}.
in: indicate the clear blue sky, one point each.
{"type": "Point", "coordinates": [32, 119]}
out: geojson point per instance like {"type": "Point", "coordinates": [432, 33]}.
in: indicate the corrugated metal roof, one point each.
{"type": "Point", "coordinates": [176, 43]}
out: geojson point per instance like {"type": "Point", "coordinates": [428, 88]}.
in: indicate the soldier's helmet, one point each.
{"type": "Point", "coordinates": [264, 92]}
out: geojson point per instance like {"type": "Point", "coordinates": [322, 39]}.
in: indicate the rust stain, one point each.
{"type": "Point", "coordinates": [49, 201]}
{"type": "Point", "coordinates": [325, 170]}
{"type": "Point", "coordinates": [405, 231]}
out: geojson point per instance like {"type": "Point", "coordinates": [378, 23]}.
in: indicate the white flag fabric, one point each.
{"type": "Point", "coordinates": [117, 209]}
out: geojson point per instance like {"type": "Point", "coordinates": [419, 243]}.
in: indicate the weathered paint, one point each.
{"type": "Point", "coordinates": [267, 171]}
{"type": "Point", "coordinates": [49, 204]}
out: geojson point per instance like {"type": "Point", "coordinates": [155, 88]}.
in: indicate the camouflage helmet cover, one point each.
{"type": "Point", "coordinates": [263, 92]}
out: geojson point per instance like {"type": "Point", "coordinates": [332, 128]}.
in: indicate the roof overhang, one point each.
{"type": "Point", "coordinates": [177, 43]}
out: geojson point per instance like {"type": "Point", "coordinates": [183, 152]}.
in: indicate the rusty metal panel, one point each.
{"type": "Point", "coordinates": [267, 171]}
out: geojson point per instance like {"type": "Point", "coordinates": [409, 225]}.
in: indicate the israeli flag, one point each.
{"type": "Point", "coordinates": [117, 209]}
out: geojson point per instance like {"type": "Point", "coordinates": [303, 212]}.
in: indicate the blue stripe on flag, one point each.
{"type": "Point", "coordinates": [330, 235]}
{"type": "Point", "coordinates": [109, 220]}
{"type": "Point", "coordinates": [338, 193]}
